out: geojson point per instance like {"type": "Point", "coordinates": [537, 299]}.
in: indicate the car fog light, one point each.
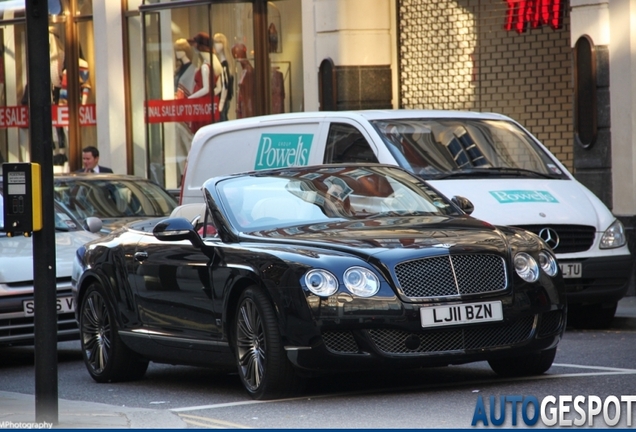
{"type": "Point", "coordinates": [526, 267]}
{"type": "Point", "coordinates": [614, 236]}
{"type": "Point", "coordinates": [321, 282]}
{"type": "Point", "coordinates": [548, 263]}
{"type": "Point", "coordinates": [361, 282]}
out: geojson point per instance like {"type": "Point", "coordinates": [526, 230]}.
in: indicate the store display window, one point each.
{"type": "Point", "coordinates": [72, 89]}
{"type": "Point", "coordinates": [202, 64]}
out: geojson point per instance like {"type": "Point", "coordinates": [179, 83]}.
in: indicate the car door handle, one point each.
{"type": "Point", "coordinates": [141, 256]}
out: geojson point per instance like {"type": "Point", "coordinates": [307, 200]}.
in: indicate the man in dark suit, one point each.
{"type": "Point", "coordinates": [90, 160]}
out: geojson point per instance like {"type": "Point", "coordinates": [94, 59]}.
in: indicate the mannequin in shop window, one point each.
{"type": "Point", "coordinates": [183, 88]}
{"type": "Point", "coordinates": [227, 78]}
{"type": "Point", "coordinates": [184, 73]}
{"type": "Point", "coordinates": [245, 100]}
{"type": "Point", "coordinates": [56, 54]}
{"type": "Point", "coordinates": [205, 78]}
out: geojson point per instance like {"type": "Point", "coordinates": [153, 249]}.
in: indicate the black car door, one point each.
{"type": "Point", "coordinates": [173, 290]}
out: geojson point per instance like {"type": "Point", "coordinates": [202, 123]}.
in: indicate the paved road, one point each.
{"type": "Point", "coordinates": [587, 362]}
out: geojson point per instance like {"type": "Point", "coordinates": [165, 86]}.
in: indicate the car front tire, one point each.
{"type": "Point", "coordinates": [105, 355]}
{"type": "Point", "coordinates": [526, 365]}
{"type": "Point", "coordinates": [263, 366]}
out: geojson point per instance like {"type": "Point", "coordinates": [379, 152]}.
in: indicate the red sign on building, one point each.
{"type": "Point", "coordinates": [520, 13]}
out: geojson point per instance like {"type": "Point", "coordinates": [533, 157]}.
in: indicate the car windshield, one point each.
{"type": "Point", "coordinates": [466, 148]}
{"type": "Point", "coordinates": [325, 194]}
{"type": "Point", "coordinates": [113, 198]}
{"type": "Point", "coordinates": [64, 221]}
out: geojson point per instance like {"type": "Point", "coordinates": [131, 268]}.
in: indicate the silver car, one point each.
{"type": "Point", "coordinates": [16, 279]}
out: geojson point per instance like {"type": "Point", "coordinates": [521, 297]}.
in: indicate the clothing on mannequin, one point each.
{"type": "Point", "coordinates": [206, 78]}
{"type": "Point", "coordinates": [245, 100]}
{"type": "Point", "coordinates": [278, 91]}
{"type": "Point", "coordinates": [227, 78]}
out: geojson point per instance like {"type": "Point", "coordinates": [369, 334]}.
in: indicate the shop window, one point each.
{"type": "Point", "coordinates": [201, 64]}
{"type": "Point", "coordinates": [70, 42]}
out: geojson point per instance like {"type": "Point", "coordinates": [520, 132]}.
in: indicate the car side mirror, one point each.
{"type": "Point", "coordinates": [463, 203]}
{"type": "Point", "coordinates": [176, 229]}
{"type": "Point", "coordinates": [93, 224]}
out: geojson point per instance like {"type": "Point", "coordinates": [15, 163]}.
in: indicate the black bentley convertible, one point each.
{"type": "Point", "coordinates": [305, 270]}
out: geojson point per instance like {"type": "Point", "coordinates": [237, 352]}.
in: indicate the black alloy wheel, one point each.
{"type": "Point", "coordinates": [106, 357]}
{"type": "Point", "coordinates": [263, 367]}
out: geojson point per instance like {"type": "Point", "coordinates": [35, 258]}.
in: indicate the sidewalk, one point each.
{"type": "Point", "coordinates": [18, 408]}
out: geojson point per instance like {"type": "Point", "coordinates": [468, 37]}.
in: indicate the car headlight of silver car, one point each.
{"type": "Point", "coordinates": [614, 236]}
{"type": "Point", "coordinates": [321, 282]}
{"type": "Point", "coordinates": [526, 267]}
{"type": "Point", "coordinates": [361, 282]}
{"type": "Point", "coordinates": [548, 263]}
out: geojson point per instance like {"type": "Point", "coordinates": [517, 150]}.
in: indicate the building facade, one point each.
{"type": "Point", "coordinates": [151, 72]}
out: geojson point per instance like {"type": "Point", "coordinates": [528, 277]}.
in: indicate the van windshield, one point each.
{"type": "Point", "coordinates": [466, 148]}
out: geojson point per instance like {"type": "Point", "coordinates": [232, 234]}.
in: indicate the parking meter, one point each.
{"type": "Point", "coordinates": [22, 192]}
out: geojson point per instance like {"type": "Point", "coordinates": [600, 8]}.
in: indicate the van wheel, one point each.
{"type": "Point", "coordinates": [263, 366]}
{"type": "Point", "coordinates": [594, 316]}
{"type": "Point", "coordinates": [530, 364]}
{"type": "Point", "coordinates": [105, 355]}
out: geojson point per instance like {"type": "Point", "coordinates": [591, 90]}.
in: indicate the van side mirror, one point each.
{"type": "Point", "coordinates": [463, 203]}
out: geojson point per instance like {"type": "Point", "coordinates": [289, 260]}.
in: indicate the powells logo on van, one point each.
{"type": "Point", "coordinates": [523, 196]}
{"type": "Point", "coordinates": [283, 150]}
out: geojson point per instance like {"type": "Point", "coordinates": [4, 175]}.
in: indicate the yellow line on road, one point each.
{"type": "Point", "coordinates": [213, 422]}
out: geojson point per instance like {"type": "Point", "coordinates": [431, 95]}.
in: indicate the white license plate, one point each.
{"type": "Point", "coordinates": [64, 305]}
{"type": "Point", "coordinates": [434, 316]}
{"type": "Point", "coordinates": [571, 270]}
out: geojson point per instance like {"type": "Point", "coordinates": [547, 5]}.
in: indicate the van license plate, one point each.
{"type": "Point", "coordinates": [571, 270]}
{"type": "Point", "coordinates": [64, 305]}
{"type": "Point", "coordinates": [435, 316]}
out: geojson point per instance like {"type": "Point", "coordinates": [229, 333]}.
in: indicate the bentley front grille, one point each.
{"type": "Point", "coordinates": [459, 339]}
{"type": "Point", "coordinates": [451, 275]}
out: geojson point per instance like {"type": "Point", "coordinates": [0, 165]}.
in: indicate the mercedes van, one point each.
{"type": "Point", "coordinates": [507, 174]}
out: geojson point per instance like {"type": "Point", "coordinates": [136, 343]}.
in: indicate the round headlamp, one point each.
{"type": "Point", "coordinates": [548, 263]}
{"type": "Point", "coordinates": [321, 282]}
{"type": "Point", "coordinates": [361, 282]}
{"type": "Point", "coordinates": [526, 267]}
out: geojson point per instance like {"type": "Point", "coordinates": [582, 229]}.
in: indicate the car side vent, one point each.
{"type": "Point", "coordinates": [341, 342]}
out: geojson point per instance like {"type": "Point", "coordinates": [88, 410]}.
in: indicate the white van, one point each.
{"type": "Point", "coordinates": [508, 175]}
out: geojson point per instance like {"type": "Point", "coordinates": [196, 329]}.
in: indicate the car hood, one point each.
{"type": "Point", "coordinates": [16, 255]}
{"type": "Point", "coordinates": [528, 201]}
{"type": "Point", "coordinates": [378, 236]}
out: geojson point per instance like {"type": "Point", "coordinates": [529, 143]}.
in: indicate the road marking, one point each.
{"type": "Point", "coordinates": [211, 423]}
{"type": "Point", "coordinates": [606, 371]}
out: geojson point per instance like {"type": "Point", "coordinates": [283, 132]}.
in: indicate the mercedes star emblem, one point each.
{"type": "Point", "coordinates": [550, 236]}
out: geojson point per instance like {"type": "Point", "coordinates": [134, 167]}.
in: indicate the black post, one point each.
{"type": "Point", "coordinates": [40, 124]}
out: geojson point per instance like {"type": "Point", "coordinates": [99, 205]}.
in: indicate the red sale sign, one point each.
{"type": "Point", "coordinates": [520, 13]}
{"type": "Point", "coordinates": [18, 116]}
{"type": "Point", "coordinates": [182, 110]}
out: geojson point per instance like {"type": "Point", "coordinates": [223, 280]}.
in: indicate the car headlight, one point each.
{"type": "Point", "coordinates": [361, 282]}
{"type": "Point", "coordinates": [526, 267]}
{"type": "Point", "coordinates": [614, 236]}
{"type": "Point", "coordinates": [548, 263]}
{"type": "Point", "coordinates": [321, 282]}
